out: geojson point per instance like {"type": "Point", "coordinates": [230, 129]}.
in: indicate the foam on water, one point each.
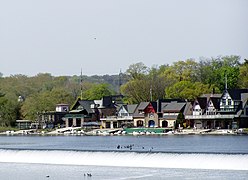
{"type": "Point", "coordinates": [128, 159]}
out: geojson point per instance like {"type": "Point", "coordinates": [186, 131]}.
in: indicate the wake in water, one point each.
{"type": "Point", "coordinates": [128, 159]}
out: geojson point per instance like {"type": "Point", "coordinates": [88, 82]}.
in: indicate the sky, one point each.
{"type": "Point", "coordinates": [100, 37]}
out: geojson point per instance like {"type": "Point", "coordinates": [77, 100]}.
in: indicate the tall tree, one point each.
{"type": "Point", "coordinates": [97, 92]}
{"type": "Point", "coordinates": [44, 101]}
{"type": "Point", "coordinates": [137, 70]}
{"type": "Point", "coordinates": [243, 78]}
{"type": "Point", "coordinates": [213, 71]}
{"type": "Point", "coordinates": [8, 110]}
{"type": "Point", "coordinates": [146, 86]}
{"type": "Point", "coordinates": [187, 90]}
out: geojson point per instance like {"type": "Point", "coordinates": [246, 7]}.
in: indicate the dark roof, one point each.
{"type": "Point", "coordinates": [86, 104]}
{"type": "Point", "coordinates": [106, 102]}
{"type": "Point", "coordinates": [202, 101]}
{"type": "Point", "coordinates": [162, 102]}
{"type": "Point", "coordinates": [174, 107]}
{"type": "Point", "coordinates": [236, 93]}
{"type": "Point", "coordinates": [216, 102]}
{"type": "Point", "coordinates": [154, 105]}
{"type": "Point", "coordinates": [205, 98]}
{"type": "Point", "coordinates": [117, 98]}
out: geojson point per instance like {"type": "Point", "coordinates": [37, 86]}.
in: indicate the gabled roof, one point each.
{"type": "Point", "coordinates": [188, 108]}
{"type": "Point", "coordinates": [216, 102]}
{"type": "Point", "coordinates": [86, 104]}
{"type": "Point", "coordinates": [143, 105]}
{"type": "Point", "coordinates": [131, 108]}
{"type": "Point", "coordinates": [162, 102]}
{"type": "Point", "coordinates": [174, 106]}
{"type": "Point", "coordinates": [163, 105]}
{"type": "Point", "coordinates": [236, 93]}
{"type": "Point", "coordinates": [205, 98]}
{"type": "Point", "coordinates": [202, 101]}
{"type": "Point", "coordinates": [81, 105]}
{"type": "Point", "coordinates": [154, 105]}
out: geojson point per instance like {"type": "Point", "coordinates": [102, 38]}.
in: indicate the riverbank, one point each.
{"type": "Point", "coordinates": [128, 131]}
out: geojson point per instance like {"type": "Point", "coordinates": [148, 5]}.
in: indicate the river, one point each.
{"type": "Point", "coordinates": [124, 157]}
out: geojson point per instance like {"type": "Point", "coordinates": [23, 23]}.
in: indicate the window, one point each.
{"type": "Point", "coordinates": [123, 114]}
{"type": "Point", "coordinates": [223, 101]}
{"type": "Point", "coordinates": [229, 102]}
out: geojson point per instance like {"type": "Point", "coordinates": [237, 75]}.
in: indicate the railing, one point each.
{"type": "Point", "coordinates": [217, 116]}
{"type": "Point", "coordinates": [116, 118]}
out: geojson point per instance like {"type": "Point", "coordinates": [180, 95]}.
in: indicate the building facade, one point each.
{"type": "Point", "coordinates": [226, 110]}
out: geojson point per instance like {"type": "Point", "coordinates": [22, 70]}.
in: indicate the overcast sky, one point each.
{"type": "Point", "coordinates": [103, 36]}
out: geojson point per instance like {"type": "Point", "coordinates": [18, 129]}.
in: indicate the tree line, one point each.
{"type": "Point", "coordinates": [184, 79]}
{"type": "Point", "coordinates": [22, 97]}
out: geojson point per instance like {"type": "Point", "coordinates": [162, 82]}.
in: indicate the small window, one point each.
{"type": "Point", "coordinates": [223, 101]}
{"type": "Point", "coordinates": [229, 102]}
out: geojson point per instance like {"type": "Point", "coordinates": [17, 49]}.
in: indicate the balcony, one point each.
{"type": "Point", "coordinates": [212, 117]}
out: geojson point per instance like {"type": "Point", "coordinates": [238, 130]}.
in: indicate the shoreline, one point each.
{"type": "Point", "coordinates": [120, 132]}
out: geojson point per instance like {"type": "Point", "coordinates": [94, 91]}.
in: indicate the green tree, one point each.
{"type": "Point", "coordinates": [136, 91]}
{"type": "Point", "coordinates": [137, 70]}
{"type": "Point", "coordinates": [8, 111]}
{"type": "Point", "coordinates": [44, 101]}
{"type": "Point", "coordinates": [243, 75]}
{"type": "Point", "coordinates": [97, 92]}
{"type": "Point", "coordinates": [146, 86]}
{"type": "Point", "coordinates": [187, 90]}
{"type": "Point", "coordinates": [213, 71]}
{"type": "Point", "coordinates": [186, 70]}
